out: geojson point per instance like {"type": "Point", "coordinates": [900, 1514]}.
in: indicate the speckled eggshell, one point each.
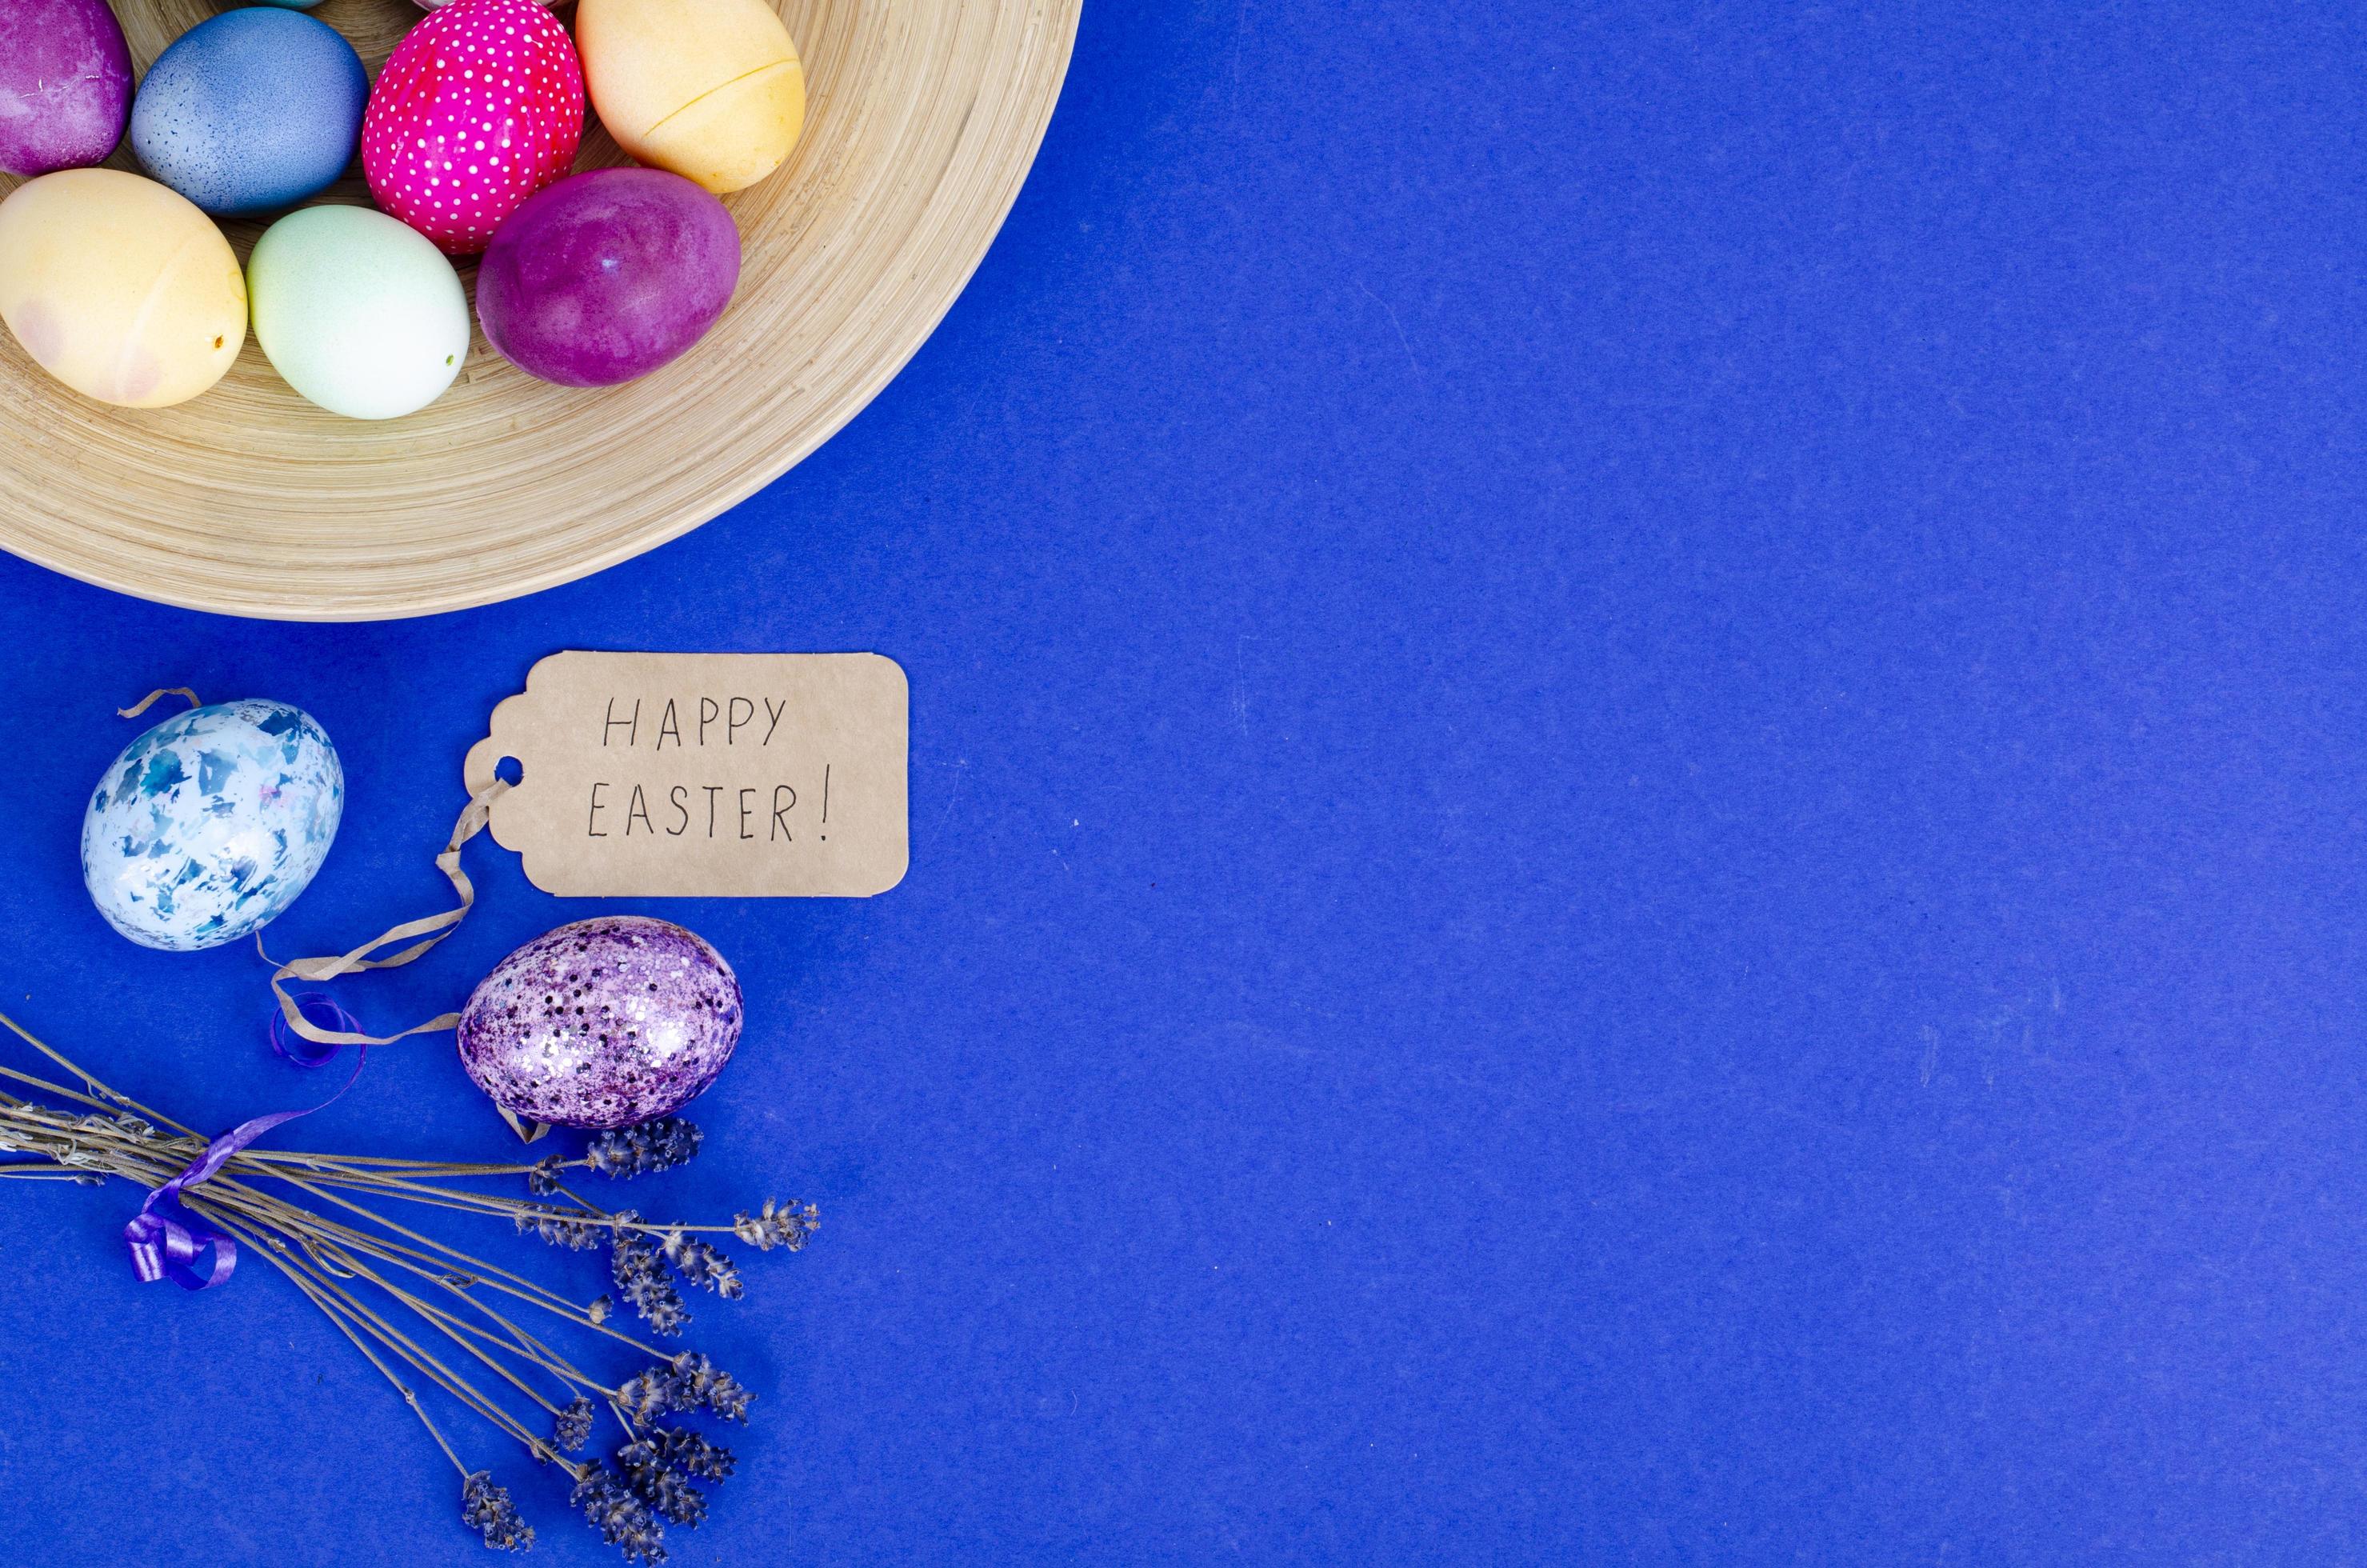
{"type": "Point", "coordinates": [607, 276]}
{"type": "Point", "coordinates": [255, 110]}
{"type": "Point", "coordinates": [711, 89]}
{"type": "Point", "coordinates": [65, 85]}
{"type": "Point", "coordinates": [209, 825]}
{"type": "Point", "coordinates": [118, 288]}
{"type": "Point", "coordinates": [481, 106]}
{"type": "Point", "coordinates": [601, 1024]}
{"type": "Point", "coordinates": [360, 313]}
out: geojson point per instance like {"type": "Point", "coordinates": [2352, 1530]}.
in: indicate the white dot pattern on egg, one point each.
{"type": "Point", "coordinates": [481, 106]}
{"type": "Point", "coordinates": [207, 826]}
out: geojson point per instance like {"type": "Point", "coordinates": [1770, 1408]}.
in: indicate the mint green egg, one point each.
{"type": "Point", "coordinates": [358, 312]}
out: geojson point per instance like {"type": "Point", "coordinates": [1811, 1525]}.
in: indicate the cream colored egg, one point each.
{"type": "Point", "coordinates": [710, 90]}
{"type": "Point", "coordinates": [119, 287]}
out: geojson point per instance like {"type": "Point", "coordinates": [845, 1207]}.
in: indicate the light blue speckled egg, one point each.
{"type": "Point", "coordinates": [209, 825]}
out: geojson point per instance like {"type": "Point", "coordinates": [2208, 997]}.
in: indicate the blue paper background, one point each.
{"type": "Point", "coordinates": [1636, 826]}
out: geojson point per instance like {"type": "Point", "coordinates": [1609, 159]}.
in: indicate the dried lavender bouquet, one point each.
{"type": "Point", "coordinates": [422, 1311]}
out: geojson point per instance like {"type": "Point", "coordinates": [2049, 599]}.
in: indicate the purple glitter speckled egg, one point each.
{"type": "Point", "coordinates": [603, 1023]}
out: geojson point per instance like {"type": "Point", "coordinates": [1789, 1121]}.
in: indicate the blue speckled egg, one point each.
{"type": "Point", "coordinates": [257, 108]}
{"type": "Point", "coordinates": [209, 825]}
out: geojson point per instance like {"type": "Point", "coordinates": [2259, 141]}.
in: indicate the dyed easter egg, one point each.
{"type": "Point", "coordinates": [257, 108]}
{"type": "Point", "coordinates": [481, 106]}
{"type": "Point", "coordinates": [65, 85]}
{"type": "Point", "coordinates": [711, 89]}
{"type": "Point", "coordinates": [360, 313]}
{"type": "Point", "coordinates": [119, 287]}
{"type": "Point", "coordinates": [209, 825]}
{"type": "Point", "coordinates": [601, 1024]}
{"type": "Point", "coordinates": [607, 276]}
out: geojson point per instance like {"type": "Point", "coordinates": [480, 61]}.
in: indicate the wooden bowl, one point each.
{"type": "Point", "coordinates": [923, 118]}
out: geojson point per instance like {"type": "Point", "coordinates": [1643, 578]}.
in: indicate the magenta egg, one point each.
{"type": "Point", "coordinates": [481, 106]}
{"type": "Point", "coordinates": [65, 85]}
{"type": "Point", "coordinates": [601, 1024]}
{"type": "Point", "coordinates": [607, 276]}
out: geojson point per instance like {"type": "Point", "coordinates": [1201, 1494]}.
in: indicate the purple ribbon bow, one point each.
{"type": "Point", "coordinates": [165, 1238]}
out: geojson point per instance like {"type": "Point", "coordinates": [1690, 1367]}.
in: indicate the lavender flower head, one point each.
{"type": "Point", "coordinates": [709, 1385]}
{"type": "Point", "coordinates": [688, 1451]}
{"type": "Point", "coordinates": [690, 1382]}
{"type": "Point", "coordinates": [642, 1281]}
{"type": "Point", "coordinates": [778, 1226]}
{"type": "Point", "coordinates": [623, 1520]}
{"type": "Point", "coordinates": [543, 1180]}
{"type": "Point", "coordinates": [652, 1146]}
{"type": "Point", "coordinates": [487, 1508]}
{"type": "Point", "coordinates": [579, 1233]}
{"type": "Point", "coordinates": [701, 1265]}
{"type": "Point", "coordinates": [651, 1394]}
{"type": "Point", "coordinates": [660, 1465]}
{"type": "Point", "coordinates": [670, 1494]}
{"type": "Point", "coordinates": [573, 1428]}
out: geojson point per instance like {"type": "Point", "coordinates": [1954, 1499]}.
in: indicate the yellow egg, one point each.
{"type": "Point", "coordinates": [711, 89]}
{"type": "Point", "coordinates": [119, 287]}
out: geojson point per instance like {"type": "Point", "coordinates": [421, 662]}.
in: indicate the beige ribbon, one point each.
{"type": "Point", "coordinates": [421, 934]}
{"type": "Point", "coordinates": [155, 697]}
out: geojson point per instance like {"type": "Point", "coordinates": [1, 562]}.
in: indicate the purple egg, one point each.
{"type": "Point", "coordinates": [65, 85]}
{"type": "Point", "coordinates": [601, 1024]}
{"type": "Point", "coordinates": [607, 276]}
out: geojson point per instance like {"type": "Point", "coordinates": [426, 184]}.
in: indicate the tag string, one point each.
{"type": "Point", "coordinates": [155, 697]}
{"type": "Point", "coordinates": [421, 934]}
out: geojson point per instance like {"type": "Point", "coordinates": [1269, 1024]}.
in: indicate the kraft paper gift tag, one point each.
{"type": "Point", "coordinates": [703, 774]}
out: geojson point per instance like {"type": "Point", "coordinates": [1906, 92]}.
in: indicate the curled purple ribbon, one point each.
{"type": "Point", "coordinates": [165, 1238]}
{"type": "Point", "coordinates": [320, 1012]}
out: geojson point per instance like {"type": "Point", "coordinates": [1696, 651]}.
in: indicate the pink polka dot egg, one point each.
{"type": "Point", "coordinates": [481, 106]}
